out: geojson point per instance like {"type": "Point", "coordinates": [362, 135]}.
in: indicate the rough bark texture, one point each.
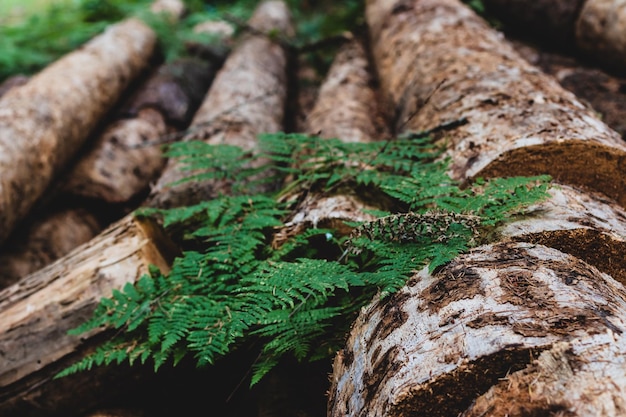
{"type": "Point", "coordinates": [37, 312]}
{"type": "Point", "coordinates": [127, 156]}
{"type": "Point", "coordinates": [246, 99]}
{"type": "Point", "coordinates": [601, 32]}
{"type": "Point", "coordinates": [603, 92]}
{"type": "Point", "coordinates": [439, 63]}
{"type": "Point", "coordinates": [541, 329]}
{"type": "Point", "coordinates": [44, 122]}
{"type": "Point", "coordinates": [583, 224]}
{"type": "Point", "coordinates": [346, 108]}
{"type": "Point", "coordinates": [551, 20]}
{"type": "Point", "coordinates": [44, 241]}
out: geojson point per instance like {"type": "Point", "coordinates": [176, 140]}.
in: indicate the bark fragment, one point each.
{"type": "Point", "coordinates": [247, 98]}
{"type": "Point", "coordinates": [438, 62]}
{"type": "Point", "coordinates": [482, 318]}
{"type": "Point", "coordinates": [44, 123]}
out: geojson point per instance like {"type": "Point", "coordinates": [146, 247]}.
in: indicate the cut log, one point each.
{"type": "Point", "coordinates": [46, 121]}
{"type": "Point", "coordinates": [582, 224]}
{"type": "Point", "coordinates": [127, 156]}
{"type": "Point", "coordinates": [553, 21]}
{"type": "Point", "coordinates": [601, 32]}
{"type": "Point", "coordinates": [440, 63]}
{"type": "Point", "coordinates": [38, 311]}
{"type": "Point", "coordinates": [346, 108]}
{"type": "Point", "coordinates": [247, 98]}
{"type": "Point", "coordinates": [603, 92]}
{"type": "Point", "coordinates": [509, 329]}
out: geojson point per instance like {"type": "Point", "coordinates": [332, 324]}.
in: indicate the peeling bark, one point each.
{"type": "Point", "coordinates": [601, 32]}
{"type": "Point", "coordinates": [448, 341]}
{"type": "Point", "coordinates": [438, 62]}
{"type": "Point", "coordinates": [246, 99]}
{"type": "Point", "coordinates": [46, 121]}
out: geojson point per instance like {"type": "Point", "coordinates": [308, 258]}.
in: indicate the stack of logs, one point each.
{"type": "Point", "coordinates": [532, 324]}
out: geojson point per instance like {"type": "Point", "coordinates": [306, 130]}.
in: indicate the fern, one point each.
{"type": "Point", "coordinates": [230, 287]}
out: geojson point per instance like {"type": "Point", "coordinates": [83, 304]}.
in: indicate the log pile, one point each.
{"type": "Point", "coordinates": [530, 324]}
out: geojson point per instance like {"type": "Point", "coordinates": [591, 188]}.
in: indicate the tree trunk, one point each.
{"type": "Point", "coordinates": [346, 108]}
{"type": "Point", "coordinates": [111, 174]}
{"type": "Point", "coordinates": [248, 98]}
{"type": "Point", "coordinates": [44, 122]}
{"type": "Point", "coordinates": [37, 312]}
{"type": "Point", "coordinates": [509, 329]}
{"type": "Point", "coordinates": [439, 63]}
{"type": "Point", "coordinates": [513, 328]}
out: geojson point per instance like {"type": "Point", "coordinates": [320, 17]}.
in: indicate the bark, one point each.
{"type": "Point", "coordinates": [247, 98]}
{"type": "Point", "coordinates": [439, 63]}
{"type": "Point", "coordinates": [594, 87]}
{"type": "Point", "coordinates": [508, 329]}
{"type": "Point", "coordinates": [38, 311]}
{"type": "Point", "coordinates": [44, 241]}
{"type": "Point", "coordinates": [582, 224]}
{"type": "Point", "coordinates": [552, 21]}
{"type": "Point", "coordinates": [601, 32]}
{"type": "Point", "coordinates": [346, 108]}
{"type": "Point", "coordinates": [45, 122]}
{"type": "Point", "coordinates": [127, 156]}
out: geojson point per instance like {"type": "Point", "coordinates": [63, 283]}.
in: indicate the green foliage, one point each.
{"type": "Point", "coordinates": [233, 288]}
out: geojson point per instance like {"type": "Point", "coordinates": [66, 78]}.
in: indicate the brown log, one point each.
{"type": "Point", "coordinates": [552, 21]}
{"type": "Point", "coordinates": [38, 311]}
{"type": "Point", "coordinates": [247, 98]}
{"type": "Point", "coordinates": [601, 32]}
{"type": "Point", "coordinates": [46, 121]}
{"type": "Point", "coordinates": [583, 224]}
{"type": "Point", "coordinates": [127, 156]}
{"type": "Point", "coordinates": [45, 240]}
{"type": "Point", "coordinates": [601, 91]}
{"type": "Point", "coordinates": [346, 108]}
{"type": "Point", "coordinates": [511, 329]}
{"type": "Point", "coordinates": [439, 63]}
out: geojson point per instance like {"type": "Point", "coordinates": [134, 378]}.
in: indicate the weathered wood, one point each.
{"type": "Point", "coordinates": [552, 21]}
{"type": "Point", "coordinates": [601, 32]}
{"type": "Point", "coordinates": [44, 122]}
{"type": "Point", "coordinates": [438, 63]}
{"type": "Point", "coordinates": [583, 224]}
{"type": "Point", "coordinates": [508, 329]}
{"type": "Point", "coordinates": [603, 92]}
{"type": "Point", "coordinates": [346, 108]}
{"type": "Point", "coordinates": [246, 99]}
{"type": "Point", "coordinates": [45, 240]}
{"type": "Point", "coordinates": [37, 312]}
